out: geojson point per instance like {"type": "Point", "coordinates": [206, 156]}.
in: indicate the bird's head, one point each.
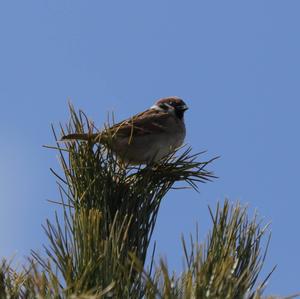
{"type": "Point", "coordinates": [172, 105]}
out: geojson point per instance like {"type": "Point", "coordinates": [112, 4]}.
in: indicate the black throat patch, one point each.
{"type": "Point", "coordinates": [179, 113]}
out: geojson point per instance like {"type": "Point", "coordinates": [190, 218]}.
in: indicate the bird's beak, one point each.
{"type": "Point", "coordinates": [184, 107]}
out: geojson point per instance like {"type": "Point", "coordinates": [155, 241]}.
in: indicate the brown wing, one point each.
{"type": "Point", "coordinates": [148, 122]}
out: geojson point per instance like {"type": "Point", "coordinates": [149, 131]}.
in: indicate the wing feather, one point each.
{"type": "Point", "coordinates": [148, 122]}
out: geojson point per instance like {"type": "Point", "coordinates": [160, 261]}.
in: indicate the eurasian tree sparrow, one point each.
{"type": "Point", "coordinates": [146, 137]}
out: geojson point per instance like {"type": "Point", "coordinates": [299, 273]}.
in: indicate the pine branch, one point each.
{"type": "Point", "coordinates": [226, 266]}
{"type": "Point", "coordinates": [98, 244]}
{"type": "Point", "coordinates": [110, 210]}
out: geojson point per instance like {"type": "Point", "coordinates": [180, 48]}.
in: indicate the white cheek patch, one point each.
{"type": "Point", "coordinates": [155, 107]}
{"type": "Point", "coordinates": [170, 109]}
{"type": "Point", "coordinates": [169, 106]}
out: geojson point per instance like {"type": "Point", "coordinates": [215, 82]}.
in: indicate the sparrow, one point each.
{"type": "Point", "coordinates": [145, 137]}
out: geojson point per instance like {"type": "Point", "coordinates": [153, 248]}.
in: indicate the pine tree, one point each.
{"type": "Point", "coordinates": [99, 242]}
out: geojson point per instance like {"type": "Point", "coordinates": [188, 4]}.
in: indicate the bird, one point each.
{"type": "Point", "coordinates": [146, 137]}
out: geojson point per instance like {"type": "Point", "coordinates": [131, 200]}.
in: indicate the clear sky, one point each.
{"type": "Point", "coordinates": [237, 65]}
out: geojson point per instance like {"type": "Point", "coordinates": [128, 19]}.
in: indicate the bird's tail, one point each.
{"type": "Point", "coordinates": [81, 136]}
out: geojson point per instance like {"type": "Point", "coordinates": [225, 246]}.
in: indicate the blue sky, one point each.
{"type": "Point", "coordinates": [237, 65]}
